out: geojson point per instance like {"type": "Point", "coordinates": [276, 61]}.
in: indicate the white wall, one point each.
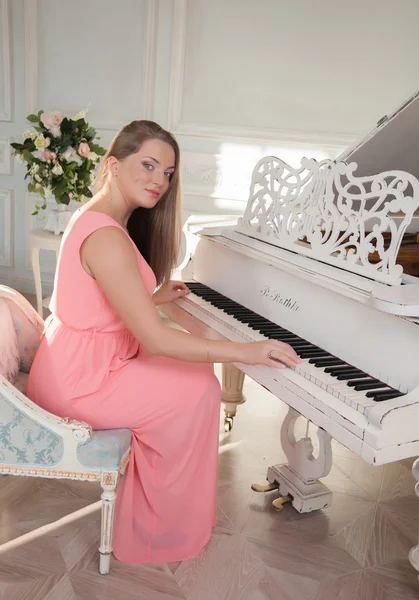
{"type": "Point", "coordinates": [233, 79]}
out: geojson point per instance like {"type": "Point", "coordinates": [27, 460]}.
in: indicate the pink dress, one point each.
{"type": "Point", "coordinates": [90, 367]}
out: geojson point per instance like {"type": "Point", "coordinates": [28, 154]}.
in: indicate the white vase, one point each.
{"type": "Point", "coordinates": [57, 218]}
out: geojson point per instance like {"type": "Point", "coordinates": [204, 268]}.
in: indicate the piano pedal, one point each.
{"type": "Point", "coordinates": [278, 504]}
{"type": "Point", "coordinates": [228, 424]}
{"type": "Point", "coordinates": [264, 487]}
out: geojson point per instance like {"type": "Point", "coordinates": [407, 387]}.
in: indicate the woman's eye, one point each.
{"type": "Point", "coordinates": [168, 174]}
{"type": "Point", "coordinates": [148, 166]}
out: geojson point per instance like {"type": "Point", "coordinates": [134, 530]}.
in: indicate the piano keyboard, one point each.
{"type": "Point", "coordinates": [349, 384]}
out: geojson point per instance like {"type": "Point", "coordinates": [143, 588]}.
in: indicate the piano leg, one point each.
{"type": "Point", "coordinates": [232, 393]}
{"type": "Point", "coordinates": [414, 553]}
{"type": "Point", "coordinates": [298, 480]}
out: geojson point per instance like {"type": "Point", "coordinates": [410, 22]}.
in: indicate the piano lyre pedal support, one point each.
{"type": "Point", "coordinates": [232, 393]}
{"type": "Point", "coordinates": [298, 479]}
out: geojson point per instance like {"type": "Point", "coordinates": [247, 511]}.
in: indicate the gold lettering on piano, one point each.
{"type": "Point", "coordinates": [278, 298]}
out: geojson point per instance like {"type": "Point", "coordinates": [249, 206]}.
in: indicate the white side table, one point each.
{"type": "Point", "coordinates": [45, 240]}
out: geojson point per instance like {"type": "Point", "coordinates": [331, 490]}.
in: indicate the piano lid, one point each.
{"type": "Point", "coordinates": [393, 144]}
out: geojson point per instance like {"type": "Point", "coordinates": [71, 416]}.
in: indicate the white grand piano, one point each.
{"type": "Point", "coordinates": [296, 267]}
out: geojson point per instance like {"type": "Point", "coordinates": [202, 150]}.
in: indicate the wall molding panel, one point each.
{"type": "Point", "coordinates": [6, 248]}
{"type": "Point", "coordinates": [6, 67]}
{"type": "Point", "coordinates": [225, 133]}
{"type": "Point", "coordinates": [6, 165]}
{"type": "Point", "coordinates": [148, 59]}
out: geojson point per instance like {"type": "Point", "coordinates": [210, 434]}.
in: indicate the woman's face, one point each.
{"type": "Point", "coordinates": [144, 177]}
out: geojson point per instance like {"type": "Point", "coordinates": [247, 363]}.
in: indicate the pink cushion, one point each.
{"type": "Point", "coordinates": [9, 348]}
{"type": "Point", "coordinates": [28, 336]}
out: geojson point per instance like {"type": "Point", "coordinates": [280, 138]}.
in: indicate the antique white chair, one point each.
{"type": "Point", "coordinates": [36, 443]}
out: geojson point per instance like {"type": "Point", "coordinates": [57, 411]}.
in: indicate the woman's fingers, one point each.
{"type": "Point", "coordinates": [285, 354]}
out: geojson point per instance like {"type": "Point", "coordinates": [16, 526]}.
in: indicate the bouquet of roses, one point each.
{"type": "Point", "coordinates": [61, 156]}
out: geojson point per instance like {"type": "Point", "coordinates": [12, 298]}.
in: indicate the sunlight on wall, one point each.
{"type": "Point", "coordinates": [235, 164]}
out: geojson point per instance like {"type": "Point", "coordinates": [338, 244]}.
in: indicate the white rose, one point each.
{"type": "Point", "coordinates": [57, 170]}
{"type": "Point", "coordinates": [38, 178]}
{"type": "Point", "coordinates": [70, 155]}
{"type": "Point", "coordinates": [34, 169]}
{"type": "Point", "coordinates": [31, 133]}
{"type": "Point", "coordinates": [93, 156]}
{"type": "Point", "coordinates": [41, 142]}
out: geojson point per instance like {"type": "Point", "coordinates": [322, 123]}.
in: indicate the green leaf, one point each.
{"type": "Point", "coordinates": [28, 156]}
{"type": "Point", "coordinates": [17, 146]}
{"type": "Point", "coordinates": [66, 126]}
{"type": "Point", "coordinates": [35, 212]}
{"type": "Point", "coordinates": [98, 149]}
{"type": "Point", "coordinates": [65, 199]}
{"type": "Point", "coordinates": [41, 112]}
{"type": "Point", "coordinates": [33, 118]}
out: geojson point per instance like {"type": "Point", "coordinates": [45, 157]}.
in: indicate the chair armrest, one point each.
{"type": "Point", "coordinates": [71, 431]}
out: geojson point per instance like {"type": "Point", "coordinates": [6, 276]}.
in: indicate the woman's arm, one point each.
{"type": "Point", "coordinates": [108, 255]}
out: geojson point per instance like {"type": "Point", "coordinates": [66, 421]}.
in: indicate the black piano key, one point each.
{"type": "Point", "coordinates": [239, 311]}
{"type": "Point", "coordinates": [380, 396]}
{"type": "Point", "coordinates": [348, 375]}
{"type": "Point", "coordinates": [369, 386]}
{"type": "Point", "coordinates": [340, 367]}
{"type": "Point", "coordinates": [344, 369]}
{"type": "Point", "coordinates": [310, 354]}
{"type": "Point", "coordinates": [384, 389]}
{"type": "Point", "coordinates": [325, 362]}
{"type": "Point", "coordinates": [364, 378]}
{"type": "Point", "coordinates": [274, 328]}
{"type": "Point", "coordinates": [282, 336]}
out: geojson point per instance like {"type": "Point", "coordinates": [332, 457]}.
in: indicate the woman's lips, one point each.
{"type": "Point", "coordinates": [153, 193]}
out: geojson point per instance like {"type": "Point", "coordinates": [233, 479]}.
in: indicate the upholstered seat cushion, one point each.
{"type": "Point", "coordinates": [105, 449]}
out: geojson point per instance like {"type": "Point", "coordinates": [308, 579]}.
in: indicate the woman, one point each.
{"type": "Point", "coordinates": [107, 359]}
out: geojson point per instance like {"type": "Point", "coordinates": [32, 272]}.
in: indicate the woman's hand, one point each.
{"type": "Point", "coordinates": [270, 352]}
{"type": "Point", "coordinates": [170, 291]}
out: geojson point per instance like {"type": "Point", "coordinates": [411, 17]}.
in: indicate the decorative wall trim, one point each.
{"type": "Point", "coordinates": [5, 156]}
{"type": "Point", "coordinates": [225, 133]}
{"type": "Point", "coordinates": [6, 249]}
{"type": "Point", "coordinates": [31, 55]}
{"type": "Point", "coordinates": [177, 70]}
{"type": "Point", "coordinates": [149, 58]}
{"type": "Point", "coordinates": [6, 67]}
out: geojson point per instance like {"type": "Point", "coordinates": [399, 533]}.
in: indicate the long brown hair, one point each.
{"type": "Point", "coordinates": [156, 232]}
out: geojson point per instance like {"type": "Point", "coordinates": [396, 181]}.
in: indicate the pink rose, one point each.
{"type": "Point", "coordinates": [52, 155]}
{"type": "Point", "coordinates": [52, 120]}
{"type": "Point", "coordinates": [84, 149]}
{"type": "Point", "coordinates": [38, 186]}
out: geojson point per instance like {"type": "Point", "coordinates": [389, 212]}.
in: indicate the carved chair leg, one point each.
{"type": "Point", "coordinates": [232, 393]}
{"type": "Point", "coordinates": [108, 483]}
